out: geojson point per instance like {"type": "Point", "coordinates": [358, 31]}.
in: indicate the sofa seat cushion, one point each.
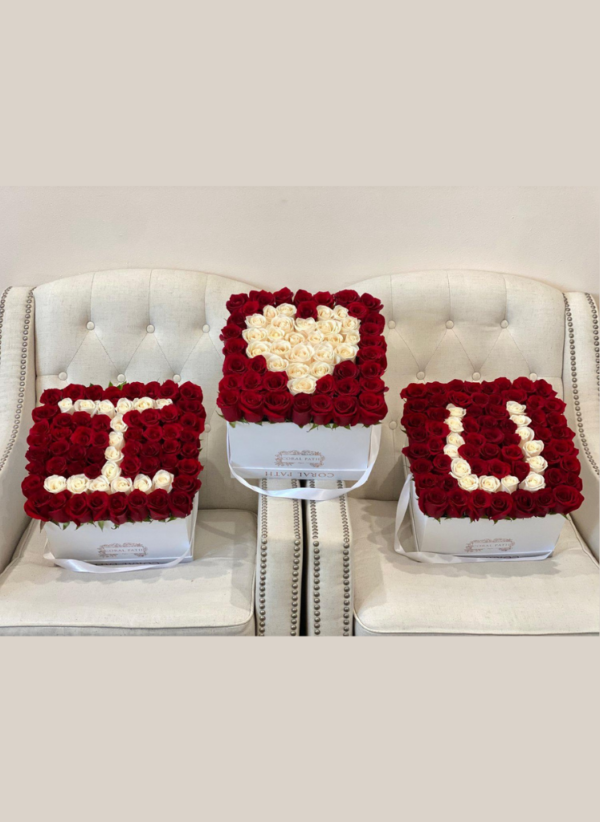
{"type": "Point", "coordinates": [213, 594]}
{"type": "Point", "coordinates": [396, 595]}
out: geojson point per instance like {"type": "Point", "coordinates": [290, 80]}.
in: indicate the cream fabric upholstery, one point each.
{"type": "Point", "coordinates": [143, 325]}
{"type": "Point", "coordinates": [394, 595]}
{"type": "Point", "coordinates": [212, 594]}
{"type": "Point", "coordinates": [443, 325]}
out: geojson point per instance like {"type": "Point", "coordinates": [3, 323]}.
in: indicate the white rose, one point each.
{"type": "Point", "coordinates": [275, 334]}
{"type": "Point", "coordinates": [509, 484]}
{"type": "Point", "coordinates": [533, 448]}
{"type": "Point", "coordinates": [316, 337]}
{"type": "Point", "coordinates": [350, 324]}
{"type": "Point", "coordinates": [304, 324]}
{"type": "Point", "coordinates": [302, 385]}
{"type": "Point", "coordinates": [162, 403]}
{"type": "Point", "coordinates": [301, 353]}
{"type": "Point", "coordinates": [329, 326]}
{"type": "Point", "coordinates": [254, 334]}
{"type": "Point", "coordinates": [113, 454]}
{"type": "Point", "coordinates": [455, 425]}
{"type": "Point", "coordinates": [297, 369]}
{"type": "Point", "coordinates": [459, 468]}
{"type": "Point", "coordinates": [121, 485]}
{"type": "Point", "coordinates": [285, 323]}
{"type": "Point", "coordinates": [270, 312]}
{"type": "Point", "coordinates": [256, 321]}
{"type": "Point", "coordinates": [286, 309]}
{"type": "Point", "coordinates": [106, 408]}
{"type": "Point", "coordinates": [116, 439]}
{"type": "Point", "coordinates": [66, 406]}
{"type": "Point", "coordinates": [334, 339]}
{"type": "Point", "coordinates": [525, 433]}
{"type": "Point", "coordinates": [164, 480]}
{"type": "Point", "coordinates": [520, 419]}
{"type": "Point", "coordinates": [89, 406]}
{"type": "Point", "coordinates": [469, 482]}
{"type": "Point", "coordinates": [455, 439]}
{"type": "Point", "coordinates": [533, 482]}
{"type": "Point", "coordinates": [142, 483]}
{"type": "Point", "coordinates": [325, 352]}
{"type": "Point", "coordinates": [455, 411]}
{"type": "Point", "coordinates": [110, 470]}
{"type": "Point", "coordinates": [537, 464]}
{"type": "Point", "coordinates": [343, 351]}
{"type": "Point", "coordinates": [294, 338]}
{"type": "Point", "coordinates": [281, 348]}
{"type": "Point", "coordinates": [321, 369]}
{"type": "Point", "coordinates": [451, 451]}
{"type": "Point", "coordinates": [352, 338]}
{"type": "Point", "coordinates": [340, 312]}
{"type": "Point", "coordinates": [276, 363]}
{"type": "Point", "coordinates": [258, 349]}
{"type": "Point", "coordinates": [490, 484]}
{"type": "Point", "coordinates": [117, 424]}
{"type": "Point", "coordinates": [515, 408]}
{"type": "Point", "coordinates": [99, 484]}
{"type": "Point", "coordinates": [143, 403]}
{"type": "Point", "coordinates": [324, 312]}
{"type": "Point", "coordinates": [55, 484]}
{"type": "Point", "coordinates": [124, 405]}
{"type": "Point", "coordinates": [78, 484]}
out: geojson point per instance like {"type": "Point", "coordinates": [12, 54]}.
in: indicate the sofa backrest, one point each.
{"type": "Point", "coordinates": [142, 324]}
{"type": "Point", "coordinates": [443, 325]}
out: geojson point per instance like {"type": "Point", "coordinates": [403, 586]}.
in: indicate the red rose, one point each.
{"type": "Point", "coordinates": [345, 297]}
{"type": "Point", "coordinates": [131, 466]}
{"type": "Point", "coordinates": [190, 467]}
{"type": "Point", "coordinates": [133, 419]}
{"type": "Point", "coordinates": [184, 482]}
{"type": "Point", "coordinates": [502, 506]}
{"type": "Point", "coordinates": [170, 462]}
{"type": "Point", "coordinates": [169, 390]}
{"type": "Point", "coordinates": [235, 302]}
{"type": "Point", "coordinates": [132, 448]}
{"type": "Point", "coordinates": [479, 503]}
{"type": "Point", "coordinates": [566, 499]}
{"type": "Point", "coordinates": [190, 391]}
{"type": "Point", "coordinates": [62, 421]}
{"type": "Point", "coordinates": [570, 463]}
{"type": "Point", "coordinates": [92, 471]}
{"type": "Point", "coordinates": [325, 385]}
{"type": "Point", "coordinates": [111, 393]}
{"type": "Point", "coordinates": [36, 505]}
{"type": "Point", "coordinates": [56, 465]}
{"type": "Point", "coordinates": [284, 295]}
{"type": "Point", "coordinates": [152, 390]}
{"type": "Point", "coordinates": [498, 469]}
{"type": "Point", "coordinates": [544, 502]}
{"type": "Point", "coordinates": [150, 416]}
{"type": "Point", "coordinates": [358, 310]}
{"type": "Point", "coordinates": [307, 309]}
{"type": "Point", "coordinates": [458, 502]}
{"type": "Point", "coordinates": [344, 409]}
{"type": "Point", "coordinates": [262, 297]}
{"type": "Point", "coordinates": [274, 381]}
{"type": "Point", "coordinates": [324, 298]}
{"type": "Point", "coordinates": [100, 422]}
{"type": "Point", "coordinates": [51, 396]}
{"type": "Point", "coordinates": [433, 502]}
{"type": "Point", "coordinates": [372, 353]}
{"type": "Point", "coordinates": [137, 506]}
{"type": "Point", "coordinates": [426, 481]}
{"type": "Point", "coordinates": [371, 369]}
{"type": "Point", "coordinates": [44, 412]}
{"type": "Point", "coordinates": [74, 392]}
{"type": "Point", "coordinates": [154, 433]}
{"type": "Point", "coordinates": [322, 408]}
{"type": "Point", "coordinates": [78, 510]}
{"type": "Point", "coordinates": [170, 413]}
{"type": "Point", "coordinates": [100, 439]}
{"type": "Point", "coordinates": [373, 408]}
{"type": "Point", "coordinates": [372, 303]}
{"type": "Point", "coordinates": [489, 451]}
{"type": "Point", "coordinates": [277, 406]}
{"type": "Point", "coordinates": [436, 445]}
{"type": "Point", "coordinates": [235, 364]}
{"type": "Point", "coordinates": [180, 504]}
{"type": "Point", "coordinates": [32, 485]}
{"type": "Point", "coordinates": [188, 449]}
{"type": "Point", "coordinates": [117, 508]}
{"type": "Point", "coordinates": [258, 364]}
{"type": "Point", "coordinates": [82, 419]}
{"type": "Point", "coordinates": [344, 370]}
{"type": "Point", "coordinates": [189, 422]}
{"type": "Point", "coordinates": [302, 295]}
{"type": "Point", "coordinates": [95, 454]}
{"type": "Point", "coordinates": [301, 409]}
{"type": "Point", "coordinates": [57, 506]}
{"type": "Point", "coordinates": [251, 381]}
{"type": "Point", "coordinates": [251, 405]}
{"type": "Point", "coordinates": [59, 448]}
{"type": "Point", "coordinates": [441, 464]}
{"type": "Point", "coordinates": [231, 331]}
{"type": "Point", "coordinates": [348, 385]}
{"type": "Point", "coordinates": [98, 503]}
{"type": "Point", "coordinates": [512, 453]}
{"type": "Point", "coordinates": [75, 467]}
{"type": "Point", "coordinates": [171, 447]}
{"type": "Point", "coordinates": [375, 385]}
{"type": "Point", "coordinates": [525, 504]}
{"type": "Point", "coordinates": [158, 504]}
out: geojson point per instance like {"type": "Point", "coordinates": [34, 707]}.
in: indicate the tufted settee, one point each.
{"type": "Point", "coordinates": [474, 325]}
{"type": "Point", "coordinates": [138, 325]}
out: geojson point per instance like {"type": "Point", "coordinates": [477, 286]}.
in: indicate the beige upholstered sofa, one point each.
{"type": "Point", "coordinates": [138, 325]}
{"type": "Point", "coordinates": [468, 325]}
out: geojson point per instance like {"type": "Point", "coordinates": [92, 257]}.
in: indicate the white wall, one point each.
{"type": "Point", "coordinates": [310, 237]}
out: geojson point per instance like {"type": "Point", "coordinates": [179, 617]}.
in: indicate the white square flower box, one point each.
{"type": "Point", "coordinates": [286, 451]}
{"type": "Point", "coordinates": [130, 544]}
{"type": "Point", "coordinates": [442, 540]}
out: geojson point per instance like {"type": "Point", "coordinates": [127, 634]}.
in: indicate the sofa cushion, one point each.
{"type": "Point", "coordinates": [396, 595]}
{"type": "Point", "coordinates": [213, 594]}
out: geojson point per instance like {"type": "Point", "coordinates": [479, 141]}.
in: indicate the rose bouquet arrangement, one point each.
{"type": "Point", "coordinates": [303, 358]}
{"type": "Point", "coordinates": [123, 454]}
{"type": "Point", "coordinates": [497, 450]}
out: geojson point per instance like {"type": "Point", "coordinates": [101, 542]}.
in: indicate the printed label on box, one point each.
{"type": "Point", "coordinates": [299, 459]}
{"type": "Point", "coordinates": [489, 545]}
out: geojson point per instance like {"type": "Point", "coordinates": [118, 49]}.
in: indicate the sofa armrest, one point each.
{"type": "Point", "coordinates": [17, 399]}
{"type": "Point", "coordinates": [329, 565]}
{"type": "Point", "coordinates": [279, 562]}
{"type": "Point", "coordinates": [581, 377]}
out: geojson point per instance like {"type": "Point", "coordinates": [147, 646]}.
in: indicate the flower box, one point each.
{"type": "Point", "coordinates": [302, 383]}
{"type": "Point", "coordinates": [286, 451]}
{"type": "Point", "coordinates": [113, 472]}
{"type": "Point", "coordinates": [493, 466]}
{"type": "Point", "coordinates": [130, 543]}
